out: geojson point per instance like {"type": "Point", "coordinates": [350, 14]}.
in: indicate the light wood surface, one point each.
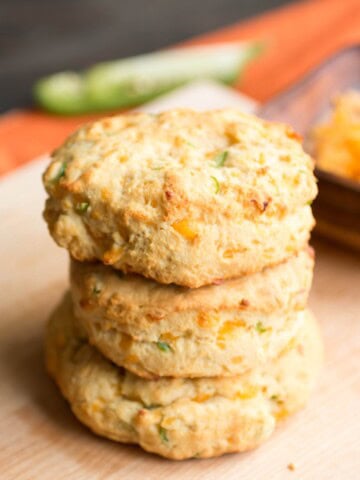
{"type": "Point", "coordinates": [41, 439]}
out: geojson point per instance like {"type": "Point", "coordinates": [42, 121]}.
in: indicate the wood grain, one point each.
{"type": "Point", "coordinates": [41, 440]}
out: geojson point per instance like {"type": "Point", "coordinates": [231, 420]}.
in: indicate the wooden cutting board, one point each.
{"type": "Point", "coordinates": [41, 439]}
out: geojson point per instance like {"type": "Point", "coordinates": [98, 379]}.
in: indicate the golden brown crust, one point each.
{"type": "Point", "coordinates": [131, 190]}
{"type": "Point", "coordinates": [158, 330]}
{"type": "Point", "coordinates": [180, 418]}
{"type": "Point", "coordinates": [140, 303]}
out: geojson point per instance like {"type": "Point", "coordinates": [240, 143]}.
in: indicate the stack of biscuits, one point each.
{"type": "Point", "coordinates": [186, 328]}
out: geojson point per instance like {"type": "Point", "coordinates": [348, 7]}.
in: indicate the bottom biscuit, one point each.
{"type": "Point", "coordinates": [175, 417]}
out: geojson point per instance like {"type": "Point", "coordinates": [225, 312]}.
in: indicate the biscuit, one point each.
{"type": "Point", "coordinates": [181, 197]}
{"type": "Point", "coordinates": [167, 330]}
{"type": "Point", "coordinates": [180, 418]}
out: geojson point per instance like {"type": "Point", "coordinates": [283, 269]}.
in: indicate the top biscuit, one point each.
{"type": "Point", "coordinates": [181, 197]}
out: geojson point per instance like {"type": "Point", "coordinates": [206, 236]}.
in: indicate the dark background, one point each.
{"type": "Point", "coordinates": [42, 36]}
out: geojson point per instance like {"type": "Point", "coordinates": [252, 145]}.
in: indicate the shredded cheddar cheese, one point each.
{"type": "Point", "coordinates": [113, 255]}
{"type": "Point", "coordinates": [250, 392]}
{"type": "Point", "coordinates": [201, 397]}
{"type": "Point", "coordinates": [337, 142]}
{"type": "Point", "coordinates": [228, 329]}
{"type": "Point", "coordinates": [183, 227]}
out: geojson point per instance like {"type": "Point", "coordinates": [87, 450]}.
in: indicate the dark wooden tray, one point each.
{"type": "Point", "coordinates": [337, 207]}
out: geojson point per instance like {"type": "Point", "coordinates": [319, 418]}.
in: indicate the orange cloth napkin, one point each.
{"type": "Point", "coordinates": [297, 38]}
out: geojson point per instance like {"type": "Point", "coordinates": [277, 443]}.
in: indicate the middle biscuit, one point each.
{"type": "Point", "coordinates": [155, 330]}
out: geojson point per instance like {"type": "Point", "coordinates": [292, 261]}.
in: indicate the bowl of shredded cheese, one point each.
{"type": "Point", "coordinates": [336, 142]}
{"type": "Point", "coordinates": [324, 108]}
